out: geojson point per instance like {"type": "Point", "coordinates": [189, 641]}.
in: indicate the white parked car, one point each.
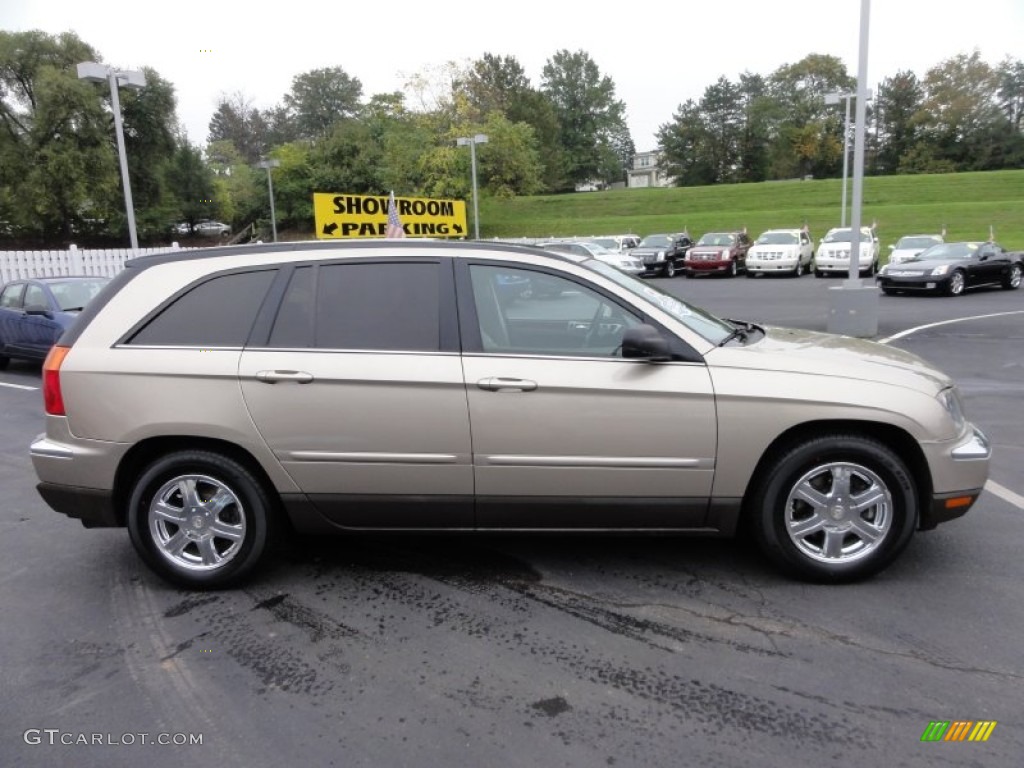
{"type": "Point", "coordinates": [628, 264]}
{"type": "Point", "coordinates": [909, 246]}
{"type": "Point", "coordinates": [780, 251]}
{"type": "Point", "coordinates": [833, 255]}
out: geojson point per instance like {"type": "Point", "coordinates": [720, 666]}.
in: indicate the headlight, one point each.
{"type": "Point", "coordinates": [950, 400]}
{"type": "Point", "coordinates": [725, 253]}
{"type": "Point", "coordinates": [884, 269]}
{"type": "Point", "coordinates": [661, 255]}
{"type": "Point", "coordinates": [941, 270]}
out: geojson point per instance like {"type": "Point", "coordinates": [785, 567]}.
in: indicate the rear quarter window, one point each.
{"type": "Point", "coordinates": [216, 313]}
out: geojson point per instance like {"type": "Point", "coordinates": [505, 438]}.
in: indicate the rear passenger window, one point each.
{"type": "Point", "coordinates": [390, 307]}
{"type": "Point", "coordinates": [217, 313]}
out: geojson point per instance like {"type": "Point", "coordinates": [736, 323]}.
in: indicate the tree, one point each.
{"type": "Point", "coordinates": [682, 145]}
{"type": "Point", "coordinates": [149, 125]}
{"type": "Point", "coordinates": [238, 121]}
{"type": "Point", "coordinates": [588, 113]}
{"type": "Point", "coordinates": [804, 124]}
{"type": "Point", "coordinates": [897, 102]}
{"type": "Point", "coordinates": [191, 183]}
{"type": "Point", "coordinates": [58, 173]}
{"type": "Point", "coordinates": [1011, 91]}
{"type": "Point", "coordinates": [959, 106]}
{"type": "Point", "coordinates": [320, 98]}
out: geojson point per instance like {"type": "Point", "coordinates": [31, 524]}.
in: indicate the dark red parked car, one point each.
{"type": "Point", "coordinates": [722, 253]}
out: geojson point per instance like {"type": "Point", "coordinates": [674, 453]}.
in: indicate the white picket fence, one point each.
{"type": "Point", "coordinates": [74, 261]}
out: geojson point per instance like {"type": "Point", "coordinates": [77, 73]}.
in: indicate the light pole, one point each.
{"type": "Point", "coordinates": [268, 164]}
{"type": "Point", "coordinates": [97, 73]}
{"type": "Point", "coordinates": [473, 141]}
{"type": "Point", "coordinates": [831, 99]}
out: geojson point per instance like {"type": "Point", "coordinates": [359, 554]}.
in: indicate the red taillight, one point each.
{"type": "Point", "coordinates": [53, 400]}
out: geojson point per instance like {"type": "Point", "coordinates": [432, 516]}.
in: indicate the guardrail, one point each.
{"type": "Point", "coordinates": [73, 261]}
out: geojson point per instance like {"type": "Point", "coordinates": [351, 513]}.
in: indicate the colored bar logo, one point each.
{"type": "Point", "coordinates": [958, 730]}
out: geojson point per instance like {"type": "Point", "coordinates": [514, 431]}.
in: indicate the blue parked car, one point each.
{"type": "Point", "coordinates": [34, 313]}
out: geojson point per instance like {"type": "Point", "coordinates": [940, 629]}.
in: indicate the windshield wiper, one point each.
{"type": "Point", "coordinates": [741, 330]}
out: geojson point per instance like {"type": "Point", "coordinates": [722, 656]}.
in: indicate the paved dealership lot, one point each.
{"type": "Point", "coordinates": [557, 651]}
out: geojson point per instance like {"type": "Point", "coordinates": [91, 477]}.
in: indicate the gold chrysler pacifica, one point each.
{"type": "Point", "coordinates": [206, 399]}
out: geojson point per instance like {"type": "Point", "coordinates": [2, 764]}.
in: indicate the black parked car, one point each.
{"type": "Point", "coordinates": [663, 254]}
{"type": "Point", "coordinates": [35, 312]}
{"type": "Point", "coordinates": [952, 268]}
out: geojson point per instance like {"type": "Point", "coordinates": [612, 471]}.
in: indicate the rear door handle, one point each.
{"type": "Point", "coordinates": [506, 384]}
{"type": "Point", "coordinates": [273, 377]}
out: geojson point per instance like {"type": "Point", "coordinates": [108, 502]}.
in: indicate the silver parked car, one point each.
{"type": "Point", "coordinates": [204, 399]}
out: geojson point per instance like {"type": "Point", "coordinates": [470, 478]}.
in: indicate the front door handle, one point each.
{"type": "Point", "coordinates": [506, 384]}
{"type": "Point", "coordinates": [273, 377]}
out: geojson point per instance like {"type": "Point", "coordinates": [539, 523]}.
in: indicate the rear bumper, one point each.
{"type": "Point", "coordinates": [94, 507]}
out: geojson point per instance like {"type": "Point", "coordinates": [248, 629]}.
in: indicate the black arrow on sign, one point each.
{"type": "Point", "coordinates": [329, 229]}
{"type": "Point", "coordinates": [457, 228]}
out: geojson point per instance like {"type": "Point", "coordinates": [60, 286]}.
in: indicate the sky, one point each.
{"type": "Point", "coordinates": [657, 53]}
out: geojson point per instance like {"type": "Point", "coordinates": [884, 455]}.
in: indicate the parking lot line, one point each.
{"type": "Point", "coordinates": [1005, 494]}
{"type": "Point", "coordinates": [18, 386]}
{"type": "Point", "coordinates": [909, 331]}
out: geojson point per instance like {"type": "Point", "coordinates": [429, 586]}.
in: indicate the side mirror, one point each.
{"type": "Point", "coordinates": [38, 309]}
{"type": "Point", "coordinates": [644, 342]}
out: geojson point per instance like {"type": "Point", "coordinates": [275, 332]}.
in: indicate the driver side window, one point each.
{"type": "Point", "coordinates": [524, 312]}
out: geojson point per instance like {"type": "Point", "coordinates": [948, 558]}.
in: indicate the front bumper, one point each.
{"type": "Point", "coordinates": [912, 282]}
{"type": "Point", "coordinates": [710, 265]}
{"type": "Point", "coordinates": [771, 265]}
{"type": "Point", "coordinates": [959, 472]}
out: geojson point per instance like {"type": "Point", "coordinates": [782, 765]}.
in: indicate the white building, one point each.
{"type": "Point", "coordinates": [647, 171]}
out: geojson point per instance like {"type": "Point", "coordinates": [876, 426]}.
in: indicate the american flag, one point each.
{"type": "Point", "coordinates": [394, 229]}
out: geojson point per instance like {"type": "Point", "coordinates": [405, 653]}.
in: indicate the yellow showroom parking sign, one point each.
{"type": "Point", "coordinates": [338, 216]}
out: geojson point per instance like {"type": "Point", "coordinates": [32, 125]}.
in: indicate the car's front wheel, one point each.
{"type": "Point", "coordinates": [4, 361]}
{"type": "Point", "coordinates": [955, 284]}
{"type": "Point", "coordinates": [200, 519]}
{"type": "Point", "coordinates": [1011, 281]}
{"type": "Point", "coordinates": [834, 508]}
{"type": "Point", "coordinates": [670, 268]}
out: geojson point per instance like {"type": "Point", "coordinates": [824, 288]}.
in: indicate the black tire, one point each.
{"type": "Point", "coordinates": [1011, 281]}
{"type": "Point", "coordinates": [751, 274]}
{"type": "Point", "coordinates": [838, 544]}
{"type": "Point", "coordinates": [889, 291]}
{"type": "Point", "coordinates": [246, 519]}
{"type": "Point", "coordinates": [734, 268]}
{"type": "Point", "coordinates": [669, 269]}
{"type": "Point", "coordinates": [4, 361]}
{"type": "Point", "coordinates": [818, 273]}
{"type": "Point", "coordinates": [798, 270]}
{"type": "Point", "coordinates": [956, 284]}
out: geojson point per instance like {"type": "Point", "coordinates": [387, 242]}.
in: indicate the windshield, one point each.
{"type": "Point", "coordinates": [906, 243]}
{"type": "Point", "coordinates": [599, 250]}
{"type": "Point", "coordinates": [607, 242]}
{"type": "Point", "coordinates": [846, 236]}
{"type": "Point", "coordinates": [716, 238]}
{"type": "Point", "coordinates": [778, 238]}
{"type": "Point", "coordinates": [656, 241]}
{"type": "Point", "coordinates": [697, 320]}
{"type": "Point", "coordinates": [75, 294]}
{"type": "Point", "coordinates": [949, 251]}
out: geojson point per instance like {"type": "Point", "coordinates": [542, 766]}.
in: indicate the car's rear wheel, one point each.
{"type": "Point", "coordinates": [834, 508]}
{"type": "Point", "coordinates": [1011, 281]}
{"type": "Point", "coordinates": [200, 519]}
{"type": "Point", "coordinates": [955, 284]}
